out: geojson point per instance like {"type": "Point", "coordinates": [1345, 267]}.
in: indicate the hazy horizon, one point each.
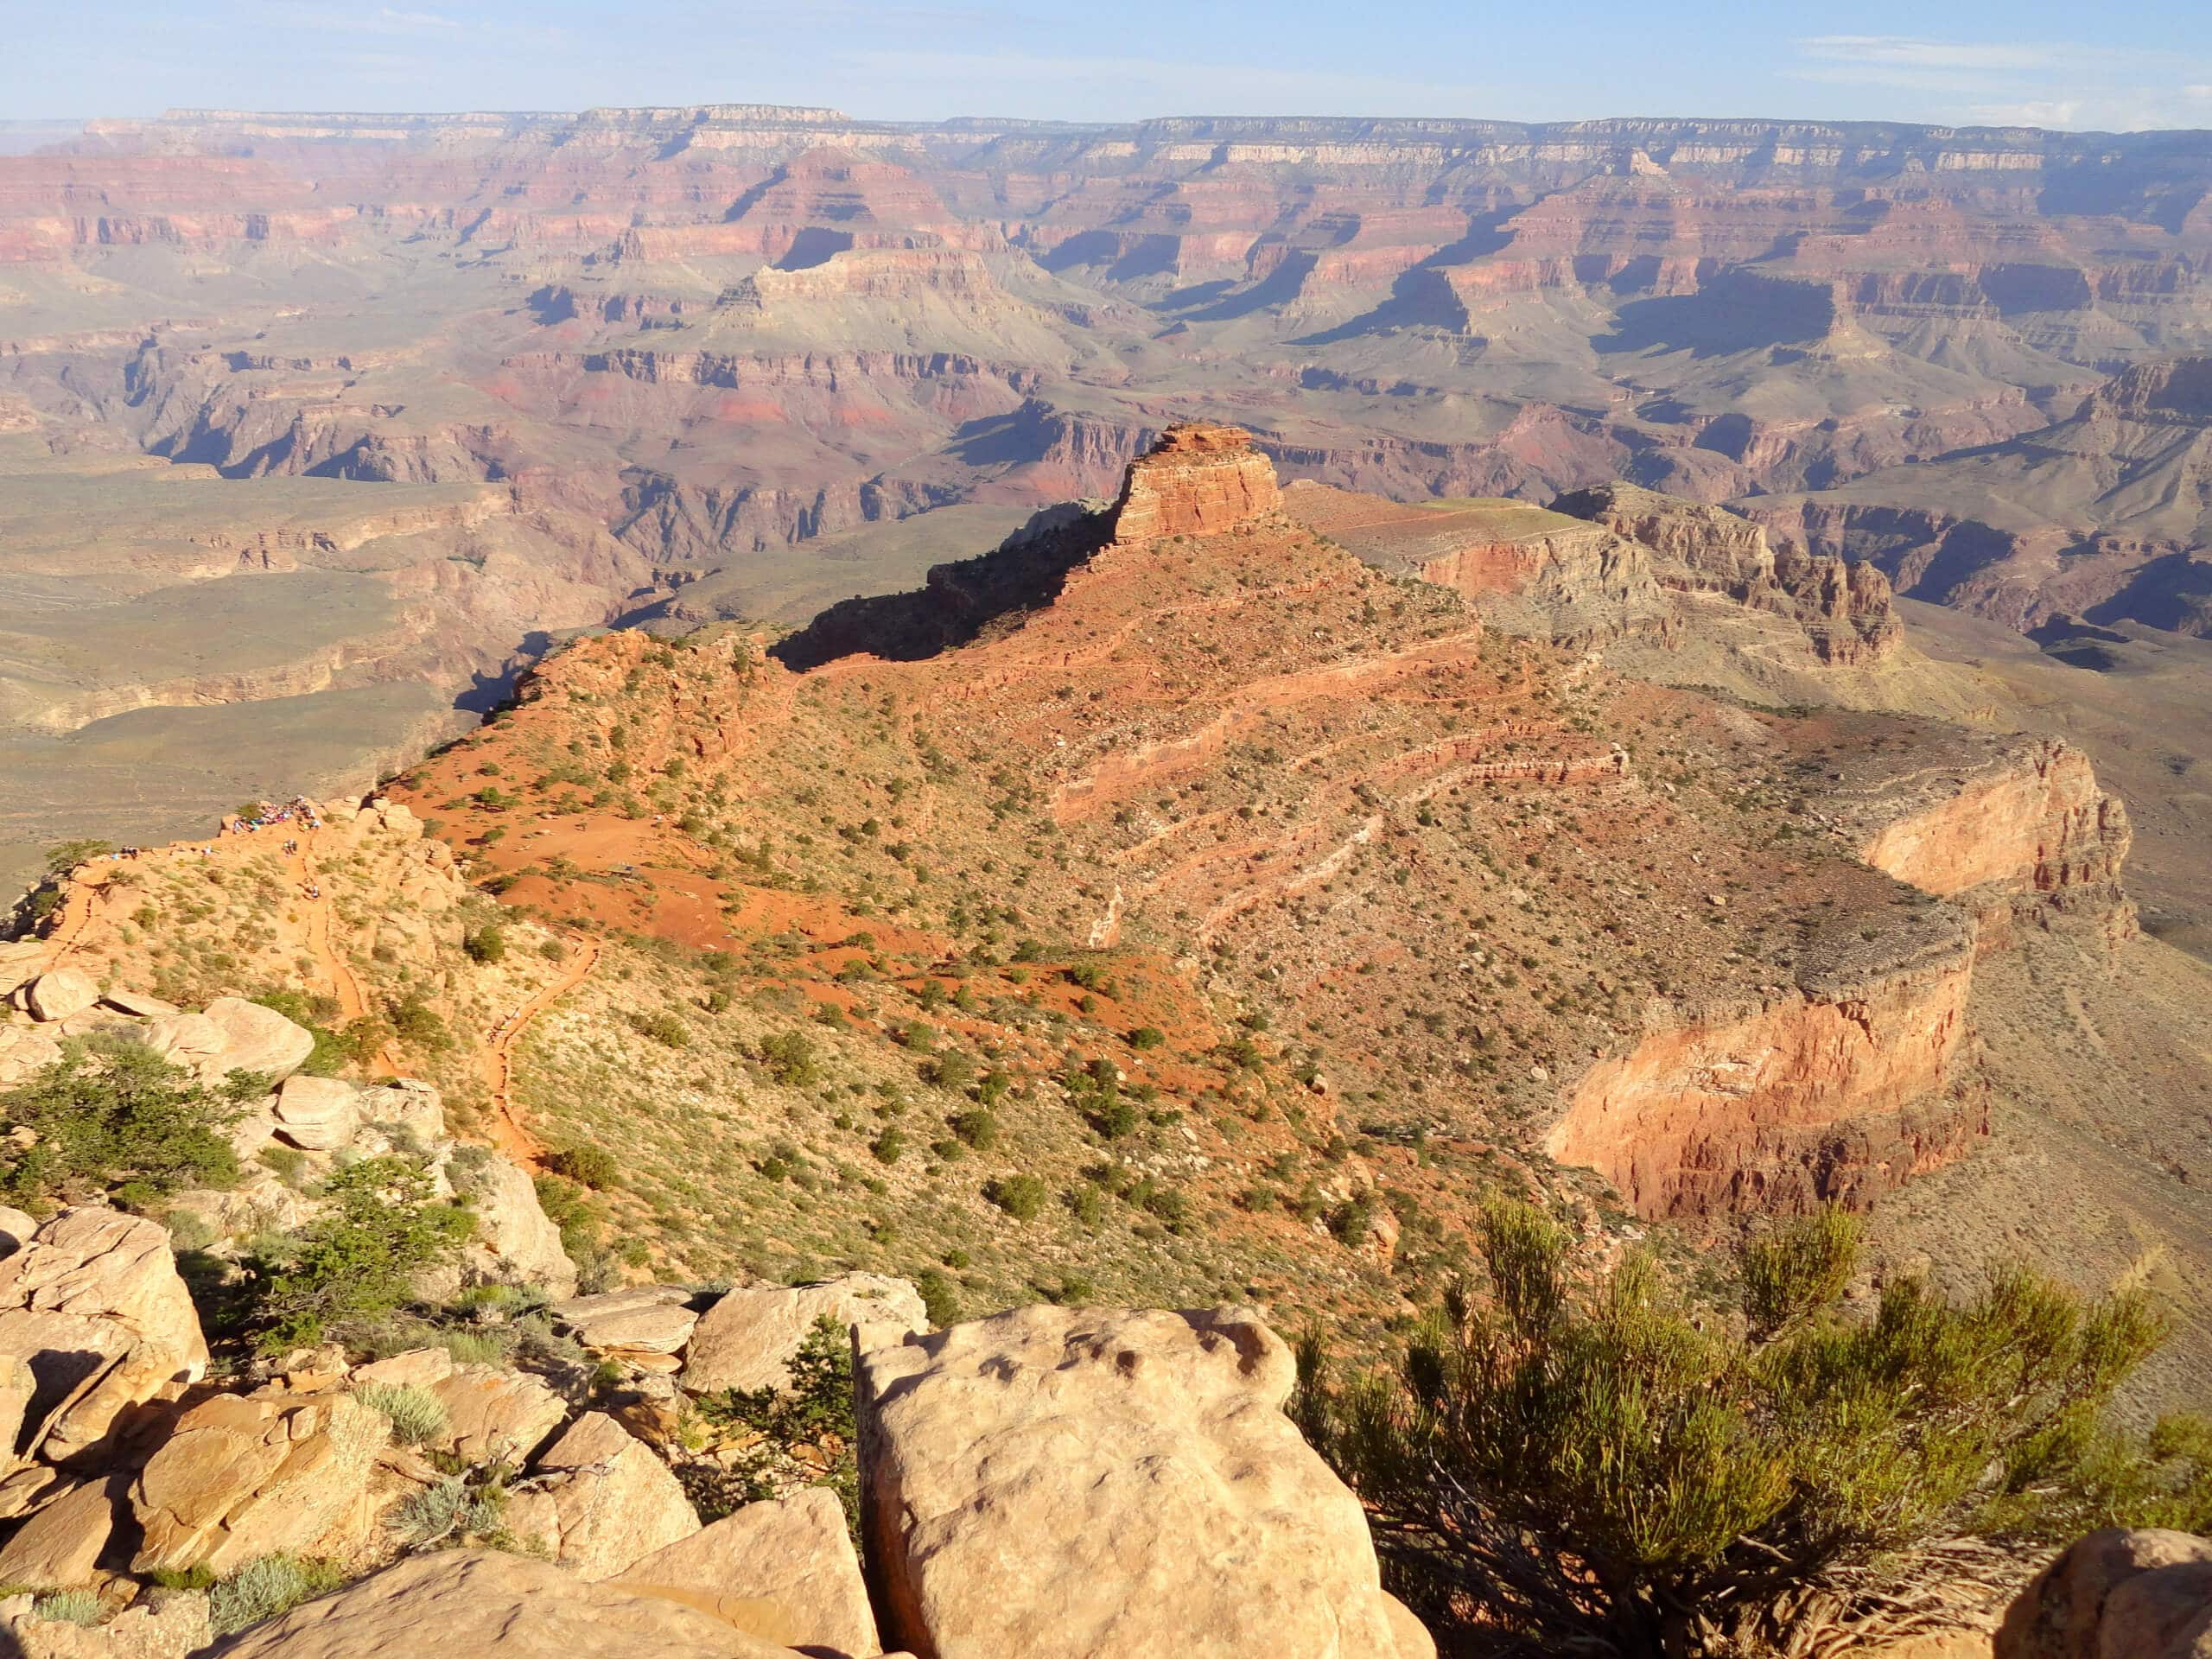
{"type": "Point", "coordinates": [1981, 65]}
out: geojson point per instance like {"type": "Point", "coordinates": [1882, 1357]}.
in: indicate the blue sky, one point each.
{"type": "Point", "coordinates": [2146, 64]}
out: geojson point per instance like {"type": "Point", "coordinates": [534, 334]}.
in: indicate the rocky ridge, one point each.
{"type": "Point", "coordinates": [1121, 665]}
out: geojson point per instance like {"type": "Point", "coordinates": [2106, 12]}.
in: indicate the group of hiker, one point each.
{"type": "Point", "coordinates": [299, 809]}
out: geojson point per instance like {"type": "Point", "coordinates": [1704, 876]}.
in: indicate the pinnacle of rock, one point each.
{"type": "Point", "coordinates": [1200, 479]}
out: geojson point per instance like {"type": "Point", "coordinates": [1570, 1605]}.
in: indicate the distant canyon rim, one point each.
{"type": "Point", "coordinates": [316, 428]}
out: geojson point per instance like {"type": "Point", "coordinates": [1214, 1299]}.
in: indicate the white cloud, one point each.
{"type": "Point", "coordinates": [2064, 83]}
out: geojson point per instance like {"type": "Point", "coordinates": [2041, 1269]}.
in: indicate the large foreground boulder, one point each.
{"type": "Point", "coordinates": [602, 1501]}
{"type": "Point", "coordinates": [487, 1606]}
{"type": "Point", "coordinates": [2117, 1595]}
{"type": "Point", "coordinates": [318, 1114]}
{"type": "Point", "coordinates": [243, 1475]}
{"type": "Point", "coordinates": [748, 1338]}
{"type": "Point", "coordinates": [1064, 1483]}
{"type": "Point", "coordinates": [785, 1572]}
{"type": "Point", "coordinates": [93, 1307]}
{"type": "Point", "coordinates": [62, 992]}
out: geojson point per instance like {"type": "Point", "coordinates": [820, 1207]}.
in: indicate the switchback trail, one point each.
{"type": "Point", "coordinates": [509, 1133]}
{"type": "Point", "coordinates": [321, 944]}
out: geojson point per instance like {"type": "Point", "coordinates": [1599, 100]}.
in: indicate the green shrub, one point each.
{"type": "Point", "coordinates": [333, 1050]}
{"type": "Point", "coordinates": [415, 1022]}
{"type": "Point", "coordinates": [288, 1163]}
{"type": "Point", "coordinates": [486, 944]}
{"type": "Point", "coordinates": [789, 1059]}
{"type": "Point", "coordinates": [377, 1230]}
{"type": "Point", "coordinates": [585, 1165]}
{"type": "Point", "coordinates": [952, 1071]}
{"type": "Point", "coordinates": [664, 1028]}
{"type": "Point", "coordinates": [978, 1128]}
{"type": "Point", "coordinates": [889, 1146]}
{"type": "Point", "coordinates": [581, 1221]}
{"type": "Point", "coordinates": [110, 1114]}
{"type": "Point", "coordinates": [417, 1416]}
{"type": "Point", "coordinates": [1596, 1467]}
{"type": "Point", "coordinates": [68, 1607]}
{"type": "Point", "coordinates": [1797, 1270]}
{"type": "Point", "coordinates": [803, 1434]}
{"type": "Point", "coordinates": [1147, 1036]}
{"type": "Point", "coordinates": [940, 1299]}
{"type": "Point", "coordinates": [457, 1509]}
{"type": "Point", "coordinates": [1022, 1197]}
{"type": "Point", "coordinates": [263, 1588]}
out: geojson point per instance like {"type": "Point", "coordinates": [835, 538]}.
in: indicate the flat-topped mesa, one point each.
{"type": "Point", "coordinates": [1199, 479]}
{"type": "Point", "coordinates": [1842, 604]}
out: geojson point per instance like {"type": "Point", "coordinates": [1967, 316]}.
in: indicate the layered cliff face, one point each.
{"type": "Point", "coordinates": [1843, 606]}
{"type": "Point", "coordinates": [1529, 570]}
{"type": "Point", "coordinates": [1196, 481]}
{"type": "Point", "coordinates": [2010, 827]}
{"type": "Point", "coordinates": [2101, 514]}
{"type": "Point", "coordinates": [1833, 1098]}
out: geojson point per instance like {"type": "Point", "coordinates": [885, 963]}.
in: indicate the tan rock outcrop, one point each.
{"type": "Point", "coordinates": [1057, 1482]}
{"type": "Point", "coordinates": [59, 993]}
{"type": "Point", "coordinates": [139, 1006]}
{"type": "Point", "coordinates": [490, 1605]}
{"type": "Point", "coordinates": [17, 1227]}
{"type": "Point", "coordinates": [516, 1240]}
{"type": "Point", "coordinates": [1199, 479]}
{"type": "Point", "coordinates": [601, 1502]}
{"type": "Point", "coordinates": [59, 1547]}
{"type": "Point", "coordinates": [785, 1572]}
{"type": "Point", "coordinates": [2117, 1595]}
{"type": "Point", "coordinates": [254, 1038]}
{"type": "Point", "coordinates": [189, 1039]}
{"type": "Point", "coordinates": [242, 1475]}
{"type": "Point", "coordinates": [748, 1340]}
{"type": "Point", "coordinates": [1843, 606]}
{"type": "Point", "coordinates": [21, 961]}
{"type": "Point", "coordinates": [317, 1114]}
{"type": "Point", "coordinates": [25, 1050]}
{"type": "Point", "coordinates": [177, 1626]}
{"type": "Point", "coordinates": [408, 1104]}
{"type": "Point", "coordinates": [93, 1306]}
{"type": "Point", "coordinates": [644, 1320]}
{"type": "Point", "coordinates": [492, 1414]}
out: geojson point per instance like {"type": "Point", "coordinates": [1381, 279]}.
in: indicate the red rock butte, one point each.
{"type": "Point", "coordinates": [1198, 480]}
